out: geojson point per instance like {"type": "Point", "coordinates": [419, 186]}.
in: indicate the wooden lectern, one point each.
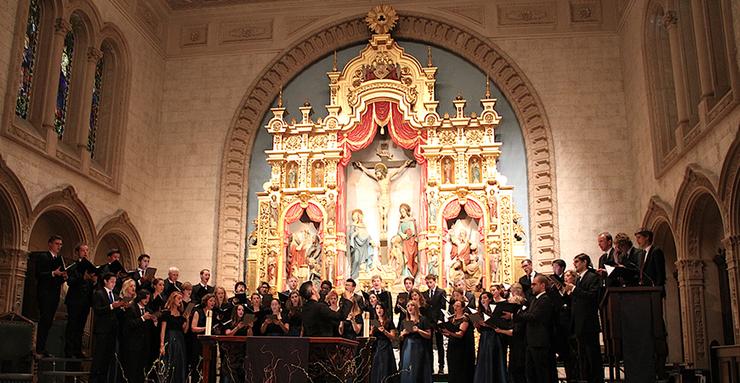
{"type": "Point", "coordinates": [634, 331]}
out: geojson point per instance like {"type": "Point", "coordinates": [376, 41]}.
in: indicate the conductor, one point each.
{"type": "Point", "coordinates": [318, 318]}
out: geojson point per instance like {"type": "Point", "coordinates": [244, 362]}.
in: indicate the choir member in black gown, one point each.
{"type": "Point", "coordinates": [255, 308]}
{"type": "Point", "coordinates": [137, 328]}
{"type": "Point", "coordinates": [233, 354]}
{"type": "Point", "coordinates": [332, 300]}
{"type": "Point", "coordinates": [518, 340]}
{"type": "Point", "coordinates": [491, 365]}
{"type": "Point", "coordinates": [275, 323]}
{"type": "Point", "coordinates": [198, 327]}
{"type": "Point", "coordinates": [403, 298]}
{"type": "Point", "coordinates": [351, 327]}
{"type": "Point", "coordinates": [416, 364]}
{"type": "Point", "coordinates": [172, 339]}
{"type": "Point", "coordinates": [460, 344]}
{"type": "Point", "coordinates": [294, 308]}
{"type": "Point", "coordinates": [155, 305]}
{"type": "Point", "coordinates": [372, 301]}
{"type": "Point", "coordinates": [572, 370]}
{"type": "Point", "coordinates": [384, 363]}
{"type": "Point", "coordinates": [223, 308]}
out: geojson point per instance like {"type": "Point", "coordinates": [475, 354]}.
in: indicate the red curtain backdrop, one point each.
{"type": "Point", "coordinates": [295, 212]}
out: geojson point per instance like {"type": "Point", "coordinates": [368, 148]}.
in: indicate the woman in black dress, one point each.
{"type": "Point", "coordinates": [384, 363]}
{"type": "Point", "coordinates": [351, 328]}
{"type": "Point", "coordinates": [517, 337]}
{"type": "Point", "coordinates": [172, 339]}
{"type": "Point", "coordinates": [416, 365]}
{"type": "Point", "coordinates": [370, 307]}
{"type": "Point", "coordinates": [294, 306]}
{"type": "Point", "coordinates": [155, 305]}
{"type": "Point", "coordinates": [274, 323]}
{"type": "Point", "coordinates": [491, 366]}
{"type": "Point", "coordinates": [460, 346]}
{"type": "Point", "coordinates": [233, 354]}
{"type": "Point", "coordinates": [255, 308]}
{"type": "Point", "coordinates": [198, 327]}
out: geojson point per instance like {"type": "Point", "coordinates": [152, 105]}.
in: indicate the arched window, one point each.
{"type": "Point", "coordinates": [661, 81]}
{"type": "Point", "coordinates": [65, 79]}
{"type": "Point", "coordinates": [690, 62]}
{"type": "Point", "coordinates": [95, 105]}
{"type": "Point", "coordinates": [717, 37]}
{"type": "Point", "coordinates": [28, 63]}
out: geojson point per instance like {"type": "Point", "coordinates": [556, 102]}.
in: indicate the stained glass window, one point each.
{"type": "Point", "coordinates": [95, 109]}
{"type": "Point", "coordinates": [30, 43]}
{"type": "Point", "coordinates": [65, 76]}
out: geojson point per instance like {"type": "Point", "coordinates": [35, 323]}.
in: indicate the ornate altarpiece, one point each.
{"type": "Point", "coordinates": [383, 88]}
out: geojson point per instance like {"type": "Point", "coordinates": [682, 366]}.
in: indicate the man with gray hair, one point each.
{"type": "Point", "coordinates": [171, 284]}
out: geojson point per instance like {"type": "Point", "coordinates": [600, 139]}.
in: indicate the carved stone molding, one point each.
{"type": "Point", "coordinates": [14, 195]}
{"type": "Point", "coordinates": [232, 225]}
{"type": "Point", "coordinates": [120, 225]}
{"type": "Point", "coordinates": [235, 32]}
{"type": "Point", "coordinates": [13, 266]}
{"type": "Point", "coordinates": [697, 182]}
{"type": "Point", "coordinates": [692, 269]}
{"type": "Point", "coordinates": [585, 11]}
{"type": "Point", "coordinates": [729, 186]}
{"type": "Point", "coordinates": [544, 13]}
{"type": "Point", "coordinates": [194, 35]}
{"type": "Point", "coordinates": [67, 202]}
{"type": "Point", "coordinates": [658, 211]}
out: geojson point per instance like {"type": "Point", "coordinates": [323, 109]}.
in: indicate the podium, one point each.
{"type": "Point", "coordinates": [634, 332]}
{"type": "Point", "coordinates": [289, 359]}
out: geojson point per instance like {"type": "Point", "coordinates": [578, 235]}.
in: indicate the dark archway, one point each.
{"type": "Point", "coordinates": [672, 304]}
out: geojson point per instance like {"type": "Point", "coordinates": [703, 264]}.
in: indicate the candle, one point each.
{"type": "Point", "coordinates": [209, 322]}
{"type": "Point", "coordinates": [366, 326]}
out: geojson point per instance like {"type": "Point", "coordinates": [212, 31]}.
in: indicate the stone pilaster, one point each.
{"type": "Point", "coordinates": [13, 265]}
{"type": "Point", "coordinates": [691, 288]}
{"type": "Point", "coordinates": [682, 103]}
{"type": "Point", "coordinates": [732, 254]}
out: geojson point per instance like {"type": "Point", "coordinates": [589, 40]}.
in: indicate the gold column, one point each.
{"type": "Point", "coordinates": [682, 110]}
{"type": "Point", "coordinates": [691, 289]}
{"type": "Point", "coordinates": [732, 254]}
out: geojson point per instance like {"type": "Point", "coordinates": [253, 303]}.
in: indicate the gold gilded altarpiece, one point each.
{"type": "Point", "coordinates": [385, 89]}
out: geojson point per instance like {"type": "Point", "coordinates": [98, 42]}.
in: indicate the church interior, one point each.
{"type": "Point", "coordinates": [326, 140]}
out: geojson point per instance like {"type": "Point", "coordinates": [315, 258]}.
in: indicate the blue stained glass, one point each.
{"type": "Point", "coordinates": [30, 44]}
{"type": "Point", "coordinates": [65, 76]}
{"type": "Point", "coordinates": [95, 109]}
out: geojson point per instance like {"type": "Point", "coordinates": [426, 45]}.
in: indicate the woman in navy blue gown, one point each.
{"type": "Point", "coordinates": [416, 365]}
{"type": "Point", "coordinates": [460, 345]}
{"type": "Point", "coordinates": [491, 366]}
{"type": "Point", "coordinates": [384, 363]}
{"type": "Point", "coordinates": [172, 339]}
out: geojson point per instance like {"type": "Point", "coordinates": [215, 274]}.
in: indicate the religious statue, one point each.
{"type": "Point", "coordinates": [432, 264]}
{"type": "Point", "coordinates": [317, 174]}
{"type": "Point", "coordinates": [274, 208]}
{"type": "Point", "coordinates": [297, 250]}
{"type": "Point", "coordinates": [360, 244]}
{"type": "Point", "coordinates": [380, 175]}
{"type": "Point", "coordinates": [313, 256]}
{"type": "Point", "coordinates": [252, 238]}
{"type": "Point", "coordinates": [448, 171]}
{"type": "Point", "coordinates": [292, 176]}
{"type": "Point", "coordinates": [395, 255]}
{"type": "Point", "coordinates": [407, 232]}
{"type": "Point", "coordinates": [272, 267]}
{"type": "Point", "coordinates": [433, 201]}
{"type": "Point", "coordinates": [475, 170]}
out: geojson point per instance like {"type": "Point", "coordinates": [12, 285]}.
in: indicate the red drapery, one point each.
{"type": "Point", "coordinates": [379, 113]}
{"type": "Point", "coordinates": [472, 208]}
{"type": "Point", "coordinates": [295, 212]}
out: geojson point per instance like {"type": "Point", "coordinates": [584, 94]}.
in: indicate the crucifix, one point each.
{"type": "Point", "coordinates": [384, 172]}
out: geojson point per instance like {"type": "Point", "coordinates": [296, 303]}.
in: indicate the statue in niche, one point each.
{"type": "Point", "coordinates": [291, 178]}
{"type": "Point", "coordinates": [493, 204]}
{"type": "Point", "coordinates": [407, 232]}
{"type": "Point", "coordinates": [360, 244]}
{"type": "Point", "coordinates": [518, 228]}
{"type": "Point", "coordinates": [314, 260]}
{"type": "Point", "coordinates": [433, 264]}
{"type": "Point", "coordinates": [252, 238]}
{"type": "Point", "coordinates": [300, 242]}
{"type": "Point", "coordinates": [380, 175]}
{"type": "Point", "coordinates": [272, 267]}
{"type": "Point", "coordinates": [465, 262]}
{"type": "Point", "coordinates": [448, 171]}
{"type": "Point", "coordinates": [433, 201]}
{"type": "Point", "coordinates": [475, 170]}
{"type": "Point", "coordinates": [274, 208]}
{"type": "Point", "coordinates": [395, 255]}
{"type": "Point", "coordinates": [317, 174]}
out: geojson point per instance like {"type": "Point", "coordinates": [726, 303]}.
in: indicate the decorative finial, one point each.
{"type": "Point", "coordinates": [334, 62]}
{"type": "Point", "coordinates": [429, 56]}
{"type": "Point", "coordinates": [280, 97]}
{"type": "Point", "coordinates": [381, 18]}
{"type": "Point", "coordinates": [307, 103]}
{"type": "Point", "coordinates": [459, 96]}
{"type": "Point", "coordinates": [488, 87]}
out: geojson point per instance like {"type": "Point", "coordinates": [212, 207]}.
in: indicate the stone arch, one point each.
{"type": "Point", "coordinates": [697, 183]}
{"type": "Point", "coordinates": [658, 212]}
{"type": "Point", "coordinates": [729, 187]}
{"type": "Point", "coordinates": [68, 203]}
{"type": "Point", "coordinates": [119, 232]}
{"type": "Point", "coordinates": [468, 44]}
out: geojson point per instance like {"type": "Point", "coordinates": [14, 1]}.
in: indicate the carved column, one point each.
{"type": "Point", "coordinates": [732, 254]}
{"type": "Point", "coordinates": [13, 265]}
{"type": "Point", "coordinates": [61, 28]}
{"type": "Point", "coordinates": [691, 288]}
{"type": "Point", "coordinates": [682, 110]}
{"type": "Point", "coordinates": [83, 118]}
{"type": "Point", "coordinates": [702, 54]}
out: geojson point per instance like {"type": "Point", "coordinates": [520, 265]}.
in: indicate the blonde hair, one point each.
{"type": "Point", "coordinates": [170, 305]}
{"type": "Point", "coordinates": [126, 285]}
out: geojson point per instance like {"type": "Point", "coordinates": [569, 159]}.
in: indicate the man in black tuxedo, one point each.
{"type": "Point", "coordinates": [652, 260]}
{"type": "Point", "coordinates": [561, 317]}
{"type": "Point", "coordinates": [585, 319]}
{"type": "Point", "coordinates": [202, 288]}
{"type": "Point", "coordinates": [538, 318]}
{"type": "Point", "coordinates": [626, 260]}
{"type": "Point", "coordinates": [113, 266]}
{"type": "Point", "coordinates": [606, 245]}
{"type": "Point", "coordinates": [138, 325]}
{"type": "Point", "coordinates": [106, 305]}
{"type": "Point", "coordinates": [436, 299]}
{"type": "Point", "coordinates": [50, 276]}
{"type": "Point", "coordinates": [349, 298]}
{"type": "Point", "coordinates": [139, 275]}
{"type": "Point", "coordinates": [267, 297]}
{"type": "Point", "coordinates": [171, 284]}
{"type": "Point", "coordinates": [384, 297]}
{"type": "Point", "coordinates": [81, 280]}
{"type": "Point", "coordinates": [527, 278]}
{"type": "Point", "coordinates": [318, 318]}
{"type": "Point", "coordinates": [402, 299]}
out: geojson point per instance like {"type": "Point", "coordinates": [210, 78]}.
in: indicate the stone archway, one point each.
{"type": "Point", "coordinates": [729, 193]}
{"type": "Point", "coordinates": [232, 214]}
{"type": "Point", "coordinates": [15, 210]}
{"type": "Point", "coordinates": [702, 270]}
{"type": "Point", "coordinates": [120, 233]}
{"type": "Point", "coordinates": [61, 213]}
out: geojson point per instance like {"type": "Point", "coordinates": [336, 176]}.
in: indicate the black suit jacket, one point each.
{"type": "Point", "coordinates": [199, 292]}
{"type": "Point", "coordinates": [384, 297]}
{"type": "Point", "coordinates": [527, 285]}
{"type": "Point", "coordinates": [47, 284]}
{"type": "Point", "coordinates": [170, 287]}
{"type": "Point", "coordinates": [436, 304]}
{"type": "Point", "coordinates": [400, 308]}
{"type": "Point", "coordinates": [606, 258]}
{"type": "Point", "coordinates": [136, 332]}
{"type": "Point", "coordinates": [140, 282]}
{"type": "Point", "coordinates": [584, 305]}
{"type": "Point", "coordinates": [319, 319]}
{"type": "Point", "coordinates": [652, 265]}
{"type": "Point", "coordinates": [79, 290]}
{"type": "Point", "coordinates": [106, 319]}
{"type": "Point", "coordinates": [538, 319]}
